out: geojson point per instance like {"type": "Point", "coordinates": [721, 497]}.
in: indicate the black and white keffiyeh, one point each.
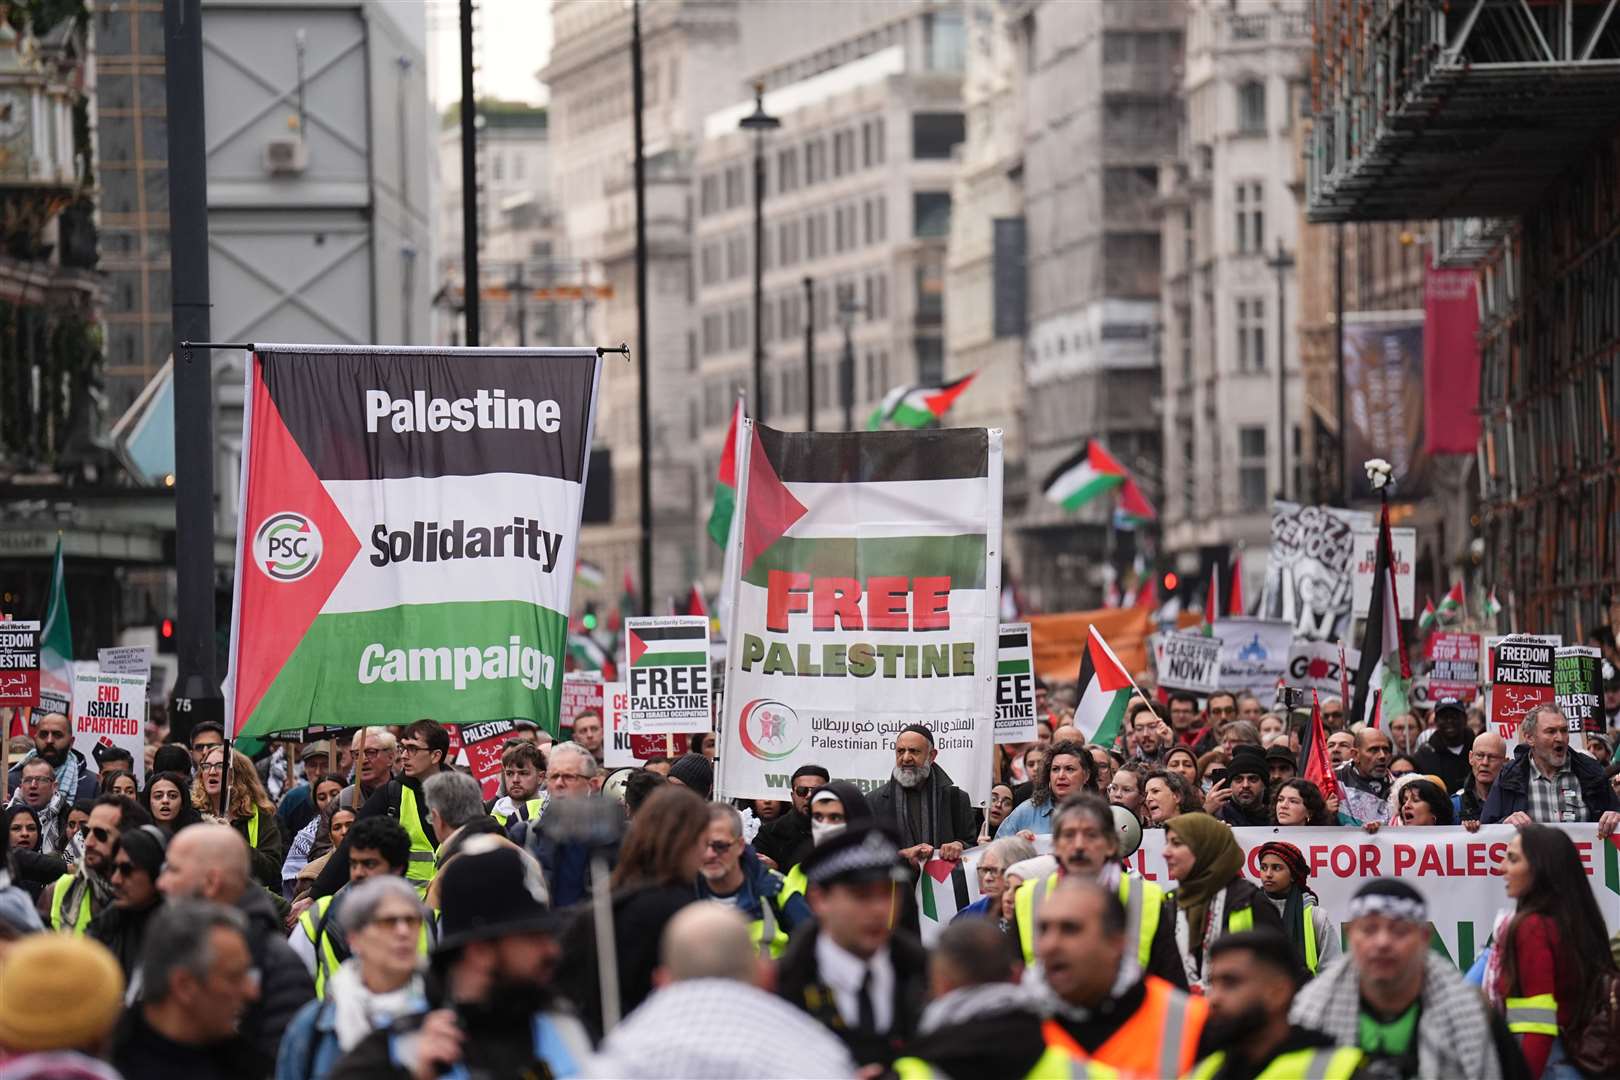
{"type": "Point", "coordinates": [1453, 1031]}
{"type": "Point", "coordinates": [723, 1029]}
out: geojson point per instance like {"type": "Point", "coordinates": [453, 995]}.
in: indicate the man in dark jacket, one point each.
{"type": "Point", "coordinates": [980, 1021]}
{"type": "Point", "coordinates": [931, 815]}
{"type": "Point", "coordinates": [571, 774]}
{"type": "Point", "coordinates": [135, 869]}
{"type": "Point", "coordinates": [1549, 783]}
{"type": "Point", "coordinates": [1248, 774]}
{"type": "Point", "coordinates": [1446, 753]}
{"type": "Point", "coordinates": [197, 978]}
{"type": "Point", "coordinates": [785, 840]}
{"type": "Point", "coordinates": [210, 862]}
{"type": "Point", "coordinates": [850, 969]}
{"type": "Point", "coordinates": [497, 1015]}
{"type": "Point", "coordinates": [53, 742]}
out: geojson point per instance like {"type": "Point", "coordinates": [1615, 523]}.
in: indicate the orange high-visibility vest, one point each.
{"type": "Point", "coordinates": [1159, 1039]}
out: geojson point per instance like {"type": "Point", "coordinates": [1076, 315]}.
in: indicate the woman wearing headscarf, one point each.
{"type": "Point", "coordinates": [1211, 898]}
{"type": "Point", "coordinates": [1284, 877]}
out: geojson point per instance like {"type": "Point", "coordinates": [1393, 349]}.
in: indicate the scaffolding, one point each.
{"type": "Point", "coordinates": [1550, 393]}
{"type": "Point", "coordinates": [1454, 108]}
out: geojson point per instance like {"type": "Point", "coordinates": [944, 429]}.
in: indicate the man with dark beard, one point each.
{"type": "Point", "coordinates": [931, 815]}
{"type": "Point", "coordinates": [1250, 986]}
{"type": "Point", "coordinates": [53, 744]}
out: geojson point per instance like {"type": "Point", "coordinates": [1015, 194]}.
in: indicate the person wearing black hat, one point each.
{"type": "Point", "coordinates": [850, 969]}
{"type": "Point", "coordinates": [496, 1014]}
{"type": "Point", "coordinates": [1248, 775]}
{"type": "Point", "coordinates": [1406, 1007]}
{"type": "Point", "coordinates": [931, 815]}
{"type": "Point", "coordinates": [693, 771]}
{"type": "Point", "coordinates": [1445, 754]}
{"type": "Point", "coordinates": [136, 864]}
{"type": "Point", "coordinates": [1282, 762]}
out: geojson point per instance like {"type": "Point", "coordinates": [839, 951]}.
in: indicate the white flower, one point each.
{"type": "Point", "coordinates": [1379, 472]}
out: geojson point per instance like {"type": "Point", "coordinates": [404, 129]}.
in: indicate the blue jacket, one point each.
{"type": "Point", "coordinates": [566, 866]}
{"type": "Point", "coordinates": [1511, 793]}
{"type": "Point", "coordinates": [309, 1048]}
{"type": "Point", "coordinates": [761, 883]}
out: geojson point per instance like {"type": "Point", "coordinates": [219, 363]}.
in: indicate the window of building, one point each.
{"type": "Point", "coordinates": [1251, 334]}
{"type": "Point", "coordinates": [1251, 96]}
{"type": "Point", "coordinates": [935, 135]}
{"type": "Point", "coordinates": [1250, 221]}
{"type": "Point", "coordinates": [1252, 468]}
{"type": "Point", "coordinates": [497, 164]}
{"type": "Point", "coordinates": [710, 263]}
{"type": "Point", "coordinates": [787, 243]}
{"type": "Point", "coordinates": [517, 165]}
{"type": "Point", "coordinates": [736, 256]}
{"type": "Point", "coordinates": [930, 361]}
{"type": "Point", "coordinates": [945, 41]}
{"type": "Point", "coordinates": [734, 186]}
{"type": "Point", "coordinates": [736, 327]}
{"type": "Point", "coordinates": [787, 170]}
{"type": "Point", "coordinates": [931, 213]}
{"type": "Point", "coordinates": [843, 152]}
{"type": "Point", "coordinates": [815, 162]}
{"type": "Point", "coordinates": [713, 339]}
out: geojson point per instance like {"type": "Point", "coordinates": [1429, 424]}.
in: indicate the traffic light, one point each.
{"type": "Point", "coordinates": [1169, 583]}
{"type": "Point", "coordinates": [166, 642]}
{"type": "Point", "coordinates": [589, 618]}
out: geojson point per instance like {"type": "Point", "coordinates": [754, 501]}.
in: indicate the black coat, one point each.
{"type": "Point", "coordinates": [639, 918]}
{"type": "Point", "coordinates": [385, 801]}
{"type": "Point", "coordinates": [1005, 1043]}
{"type": "Point", "coordinates": [140, 1053]}
{"type": "Point", "coordinates": [953, 812]}
{"type": "Point", "coordinates": [123, 931]}
{"type": "Point", "coordinates": [284, 981]}
{"type": "Point", "coordinates": [1512, 791]}
{"type": "Point", "coordinates": [1449, 767]}
{"type": "Point", "coordinates": [798, 982]}
{"type": "Point", "coordinates": [783, 839]}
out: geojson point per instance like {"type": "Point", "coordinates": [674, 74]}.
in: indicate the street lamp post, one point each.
{"type": "Point", "coordinates": [1282, 262]}
{"type": "Point", "coordinates": [759, 122]}
{"type": "Point", "coordinates": [809, 353]}
{"type": "Point", "coordinates": [847, 310]}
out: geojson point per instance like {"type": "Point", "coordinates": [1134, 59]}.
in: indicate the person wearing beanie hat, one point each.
{"type": "Point", "coordinates": [693, 771]}
{"type": "Point", "coordinates": [1406, 1007]}
{"type": "Point", "coordinates": [496, 1013]}
{"type": "Point", "coordinates": [1282, 763]}
{"type": "Point", "coordinates": [1284, 878]}
{"type": "Point", "coordinates": [59, 993]}
{"type": "Point", "coordinates": [1247, 778]}
{"type": "Point", "coordinates": [136, 864]}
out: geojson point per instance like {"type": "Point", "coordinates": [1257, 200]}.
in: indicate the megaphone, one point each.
{"type": "Point", "coordinates": [1129, 829]}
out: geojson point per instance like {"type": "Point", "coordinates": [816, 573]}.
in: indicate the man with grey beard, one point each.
{"type": "Point", "coordinates": [932, 816]}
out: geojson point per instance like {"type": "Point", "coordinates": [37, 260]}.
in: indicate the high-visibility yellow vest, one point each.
{"type": "Point", "coordinates": [1537, 1015]}
{"type": "Point", "coordinates": [528, 810]}
{"type": "Point", "coordinates": [1333, 1063]}
{"type": "Point", "coordinates": [1059, 1064]}
{"type": "Point", "coordinates": [81, 921]}
{"type": "Point", "coordinates": [794, 882]}
{"type": "Point", "coordinates": [766, 932]}
{"type": "Point", "coordinates": [1143, 900]}
{"type": "Point", "coordinates": [1311, 946]}
{"type": "Point", "coordinates": [327, 960]}
{"type": "Point", "coordinates": [419, 869]}
{"type": "Point", "coordinates": [253, 829]}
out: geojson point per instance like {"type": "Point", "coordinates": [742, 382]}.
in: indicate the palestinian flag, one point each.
{"type": "Point", "coordinates": [587, 655]}
{"type": "Point", "coordinates": [666, 646]}
{"type": "Point", "coordinates": [1426, 617]}
{"type": "Point", "coordinates": [629, 597]}
{"type": "Point", "coordinates": [56, 643]}
{"type": "Point", "coordinates": [1093, 472]}
{"type": "Point", "coordinates": [865, 597]}
{"type": "Point", "coordinates": [1105, 688]}
{"type": "Point", "coordinates": [1453, 605]}
{"type": "Point", "coordinates": [725, 482]}
{"type": "Point", "coordinates": [589, 574]}
{"type": "Point", "coordinates": [408, 534]}
{"type": "Point", "coordinates": [1235, 601]}
{"type": "Point", "coordinates": [1212, 602]}
{"type": "Point", "coordinates": [916, 406]}
{"type": "Point", "coordinates": [943, 889]}
{"type": "Point", "coordinates": [1314, 763]}
{"type": "Point", "coordinates": [1493, 606]}
{"type": "Point", "coordinates": [694, 602]}
{"type": "Point", "coordinates": [1385, 672]}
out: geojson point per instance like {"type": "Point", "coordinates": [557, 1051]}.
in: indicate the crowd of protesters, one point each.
{"type": "Point", "coordinates": [354, 906]}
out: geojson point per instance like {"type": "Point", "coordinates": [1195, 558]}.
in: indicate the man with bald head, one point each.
{"type": "Point", "coordinates": [211, 862]}
{"type": "Point", "coordinates": [1366, 776]}
{"type": "Point", "coordinates": [1485, 761]}
{"type": "Point", "coordinates": [709, 1011]}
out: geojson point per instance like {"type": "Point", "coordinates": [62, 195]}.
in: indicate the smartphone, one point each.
{"type": "Point", "coordinates": [1215, 776]}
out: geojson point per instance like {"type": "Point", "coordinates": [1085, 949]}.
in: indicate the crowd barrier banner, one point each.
{"type": "Point", "coordinates": [1457, 872]}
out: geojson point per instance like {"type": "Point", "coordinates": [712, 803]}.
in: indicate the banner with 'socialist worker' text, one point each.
{"type": "Point", "coordinates": [409, 520]}
{"type": "Point", "coordinates": [866, 598]}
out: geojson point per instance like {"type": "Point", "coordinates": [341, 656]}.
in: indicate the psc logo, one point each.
{"type": "Point", "coordinates": [769, 729]}
{"type": "Point", "coordinates": [287, 546]}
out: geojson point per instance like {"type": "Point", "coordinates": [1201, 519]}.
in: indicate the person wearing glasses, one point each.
{"type": "Point", "coordinates": [136, 864]}
{"type": "Point", "coordinates": [991, 872]}
{"type": "Point", "coordinates": [379, 984]}
{"type": "Point", "coordinates": [38, 792]}
{"type": "Point", "coordinates": [571, 773]}
{"type": "Point", "coordinates": [247, 809]}
{"type": "Point", "coordinates": [424, 752]}
{"type": "Point", "coordinates": [53, 744]}
{"type": "Point", "coordinates": [733, 874]}
{"type": "Point", "coordinates": [78, 897]}
{"type": "Point", "coordinates": [786, 839]}
{"type": "Point", "coordinates": [204, 737]}
{"type": "Point", "coordinates": [373, 767]}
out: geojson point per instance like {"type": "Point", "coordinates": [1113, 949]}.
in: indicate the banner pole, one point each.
{"type": "Point", "coordinates": [358, 747]}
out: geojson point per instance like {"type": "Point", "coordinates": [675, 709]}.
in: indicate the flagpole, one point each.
{"type": "Point", "coordinates": [1128, 678]}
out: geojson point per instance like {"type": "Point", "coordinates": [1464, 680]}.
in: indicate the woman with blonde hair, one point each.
{"type": "Point", "coordinates": [248, 810]}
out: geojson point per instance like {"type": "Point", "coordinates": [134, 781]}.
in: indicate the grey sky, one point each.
{"type": "Point", "coordinates": [514, 41]}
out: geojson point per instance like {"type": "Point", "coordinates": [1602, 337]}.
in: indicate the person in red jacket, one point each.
{"type": "Point", "coordinates": [1552, 950]}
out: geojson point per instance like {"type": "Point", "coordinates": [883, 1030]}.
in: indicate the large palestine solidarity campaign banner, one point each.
{"type": "Point", "coordinates": [1455, 870]}
{"type": "Point", "coordinates": [408, 526]}
{"type": "Point", "coordinates": [866, 598]}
